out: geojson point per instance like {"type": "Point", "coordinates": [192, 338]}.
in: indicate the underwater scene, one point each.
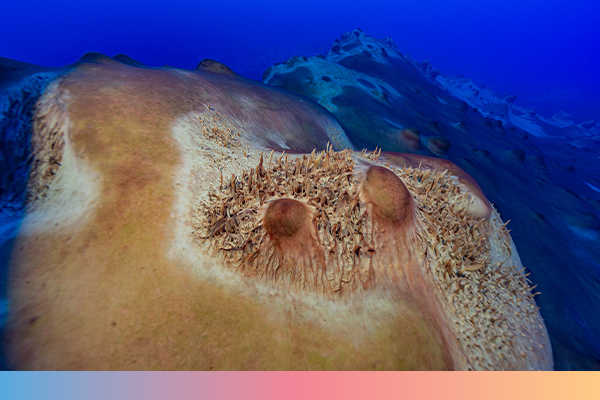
{"type": "Point", "coordinates": [261, 185]}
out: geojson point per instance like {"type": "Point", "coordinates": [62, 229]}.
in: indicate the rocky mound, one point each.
{"type": "Point", "coordinates": [167, 229]}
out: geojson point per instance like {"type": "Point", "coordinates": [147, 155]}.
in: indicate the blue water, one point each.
{"type": "Point", "coordinates": [545, 52]}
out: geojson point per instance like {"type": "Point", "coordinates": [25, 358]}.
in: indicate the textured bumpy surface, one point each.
{"type": "Point", "coordinates": [340, 224]}
{"type": "Point", "coordinates": [178, 220]}
{"type": "Point", "coordinates": [50, 124]}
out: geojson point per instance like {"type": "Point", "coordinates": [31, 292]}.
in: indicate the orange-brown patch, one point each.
{"type": "Point", "coordinates": [390, 198]}
{"type": "Point", "coordinates": [284, 218]}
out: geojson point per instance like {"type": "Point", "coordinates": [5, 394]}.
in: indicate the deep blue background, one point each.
{"type": "Point", "coordinates": [546, 52]}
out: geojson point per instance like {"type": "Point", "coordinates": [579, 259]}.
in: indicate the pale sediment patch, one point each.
{"type": "Point", "coordinates": [63, 187]}
{"type": "Point", "coordinates": [203, 146]}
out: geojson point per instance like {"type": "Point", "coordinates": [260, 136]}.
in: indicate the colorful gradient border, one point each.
{"type": "Point", "coordinates": [299, 385]}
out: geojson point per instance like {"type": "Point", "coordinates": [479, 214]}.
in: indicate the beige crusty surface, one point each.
{"type": "Point", "coordinates": [483, 302]}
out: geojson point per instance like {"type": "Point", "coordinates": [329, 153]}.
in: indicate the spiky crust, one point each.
{"type": "Point", "coordinates": [336, 223]}
{"type": "Point", "coordinates": [475, 203]}
{"type": "Point", "coordinates": [298, 222]}
{"type": "Point", "coordinates": [50, 124]}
